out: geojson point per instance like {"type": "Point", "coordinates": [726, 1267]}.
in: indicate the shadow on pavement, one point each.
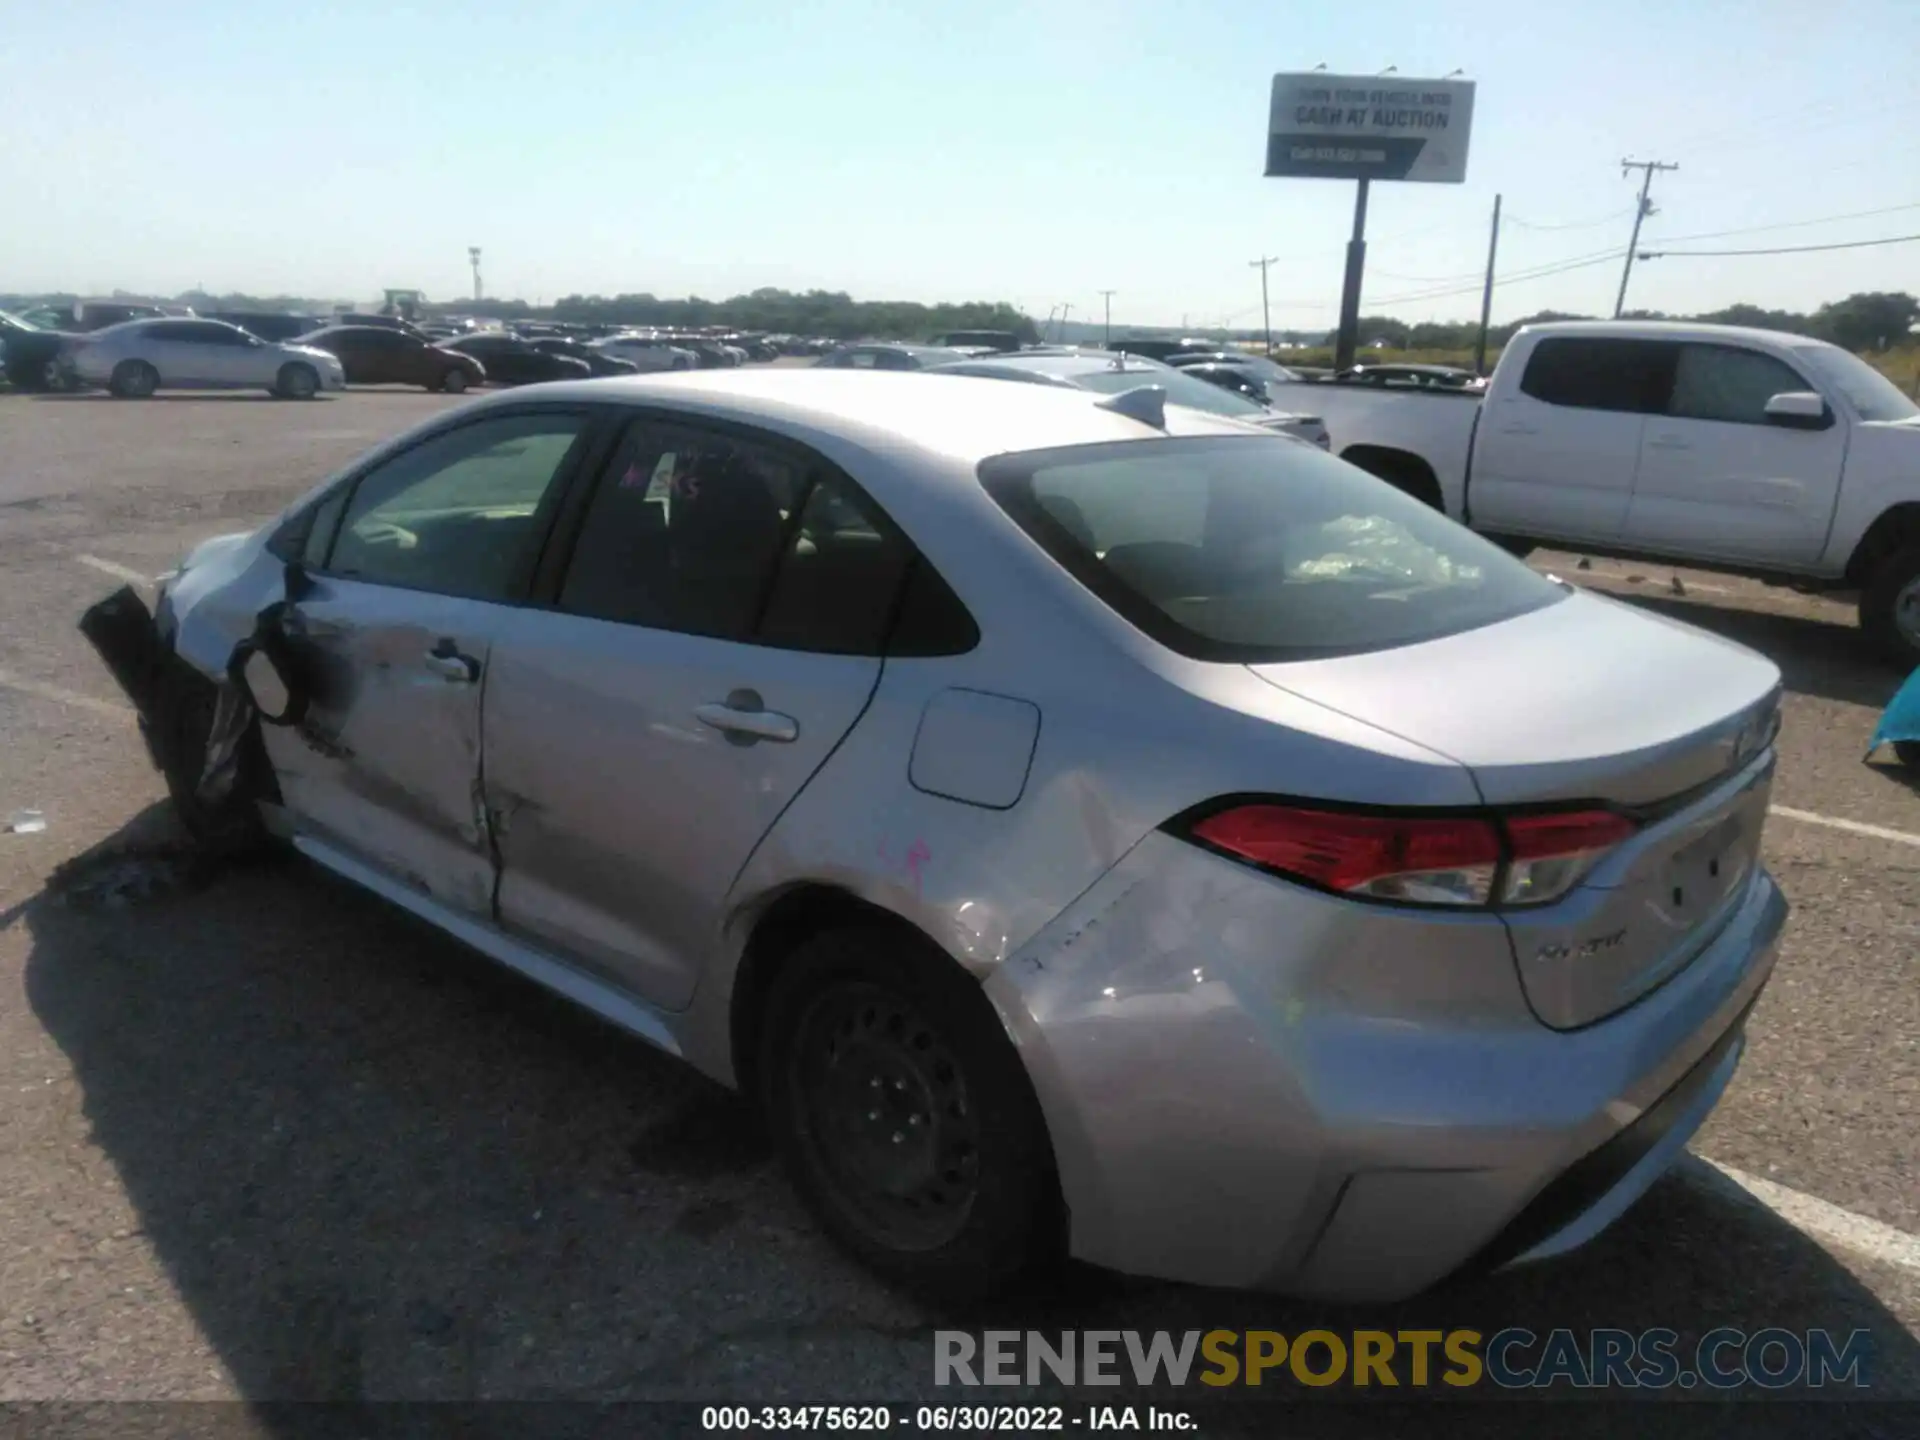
{"type": "Point", "coordinates": [1817, 657]}
{"type": "Point", "coordinates": [375, 1167]}
{"type": "Point", "coordinates": [173, 397]}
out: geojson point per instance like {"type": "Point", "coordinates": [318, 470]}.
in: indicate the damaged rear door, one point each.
{"type": "Point", "coordinates": [414, 567]}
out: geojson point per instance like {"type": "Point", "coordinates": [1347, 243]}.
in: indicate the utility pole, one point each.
{"type": "Point", "coordinates": [1486, 295]}
{"type": "Point", "coordinates": [1106, 323]}
{"type": "Point", "coordinates": [1640, 212]}
{"type": "Point", "coordinates": [1266, 314]}
{"type": "Point", "coordinates": [1064, 311]}
{"type": "Point", "coordinates": [473, 259]}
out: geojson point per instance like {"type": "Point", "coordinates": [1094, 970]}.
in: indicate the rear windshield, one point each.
{"type": "Point", "coordinates": [1257, 549]}
{"type": "Point", "coordinates": [1181, 388]}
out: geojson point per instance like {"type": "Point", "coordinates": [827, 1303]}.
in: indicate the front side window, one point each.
{"type": "Point", "coordinates": [1592, 373]}
{"type": "Point", "coordinates": [1872, 395]}
{"type": "Point", "coordinates": [1256, 549]}
{"type": "Point", "coordinates": [461, 513]}
{"type": "Point", "coordinates": [1720, 382]}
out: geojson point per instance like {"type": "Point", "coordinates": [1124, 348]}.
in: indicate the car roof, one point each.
{"type": "Point", "coordinates": [1698, 331]}
{"type": "Point", "coordinates": [952, 416]}
{"type": "Point", "coordinates": [1070, 362]}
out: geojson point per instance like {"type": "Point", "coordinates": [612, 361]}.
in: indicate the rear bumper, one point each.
{"type": "Point", "coordinates": [1246, 1087]}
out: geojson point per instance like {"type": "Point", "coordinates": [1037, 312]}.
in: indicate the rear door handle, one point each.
{"type": "Point", "coordinates": [1519, 430]}
{"type": "Point", "coordinates": [743, 719]}
{"type": "Point", "coordinates": [450, 665]}
{"type": "Point", "coordinates": [1668, 442]}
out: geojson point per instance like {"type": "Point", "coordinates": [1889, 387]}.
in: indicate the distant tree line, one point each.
{"type": "Point", "coordinates": [816, 312]}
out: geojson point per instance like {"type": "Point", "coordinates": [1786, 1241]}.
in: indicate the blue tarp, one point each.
{"type": "Point", "coordinates": [1901, 719]}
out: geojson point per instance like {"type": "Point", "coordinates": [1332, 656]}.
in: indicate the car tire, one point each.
{"type": "Point", "coordinates": [873, 1040]}
{"type": "Point", "coordinates": [297, 382]}
{"type": "Point", "coordinates": [1890, 607]}
{"type": "Point", "coordinates": [454, 382]}
{"type": "Point", "coordinates": [184, 702]}
{"type": "Point", "coordinates": [1907, 752]}
{"type": "Point", "coordinates": [133, 380]}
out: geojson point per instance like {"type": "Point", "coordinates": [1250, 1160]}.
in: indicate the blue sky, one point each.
{"type": "Point", "coordinates": [1034, 152]}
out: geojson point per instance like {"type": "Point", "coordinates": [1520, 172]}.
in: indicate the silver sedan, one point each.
{"type": "Point", "coordinates": [137, 358]}
{"type": "Point", "coordinates": [1083, 825]}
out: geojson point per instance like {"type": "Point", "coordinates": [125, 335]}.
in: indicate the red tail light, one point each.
{"type": "Point", "coordinates": [1416, 859]}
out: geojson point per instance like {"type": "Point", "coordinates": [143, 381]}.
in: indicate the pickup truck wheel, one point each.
{"type": "Point", "coordinates": [1890, 607]}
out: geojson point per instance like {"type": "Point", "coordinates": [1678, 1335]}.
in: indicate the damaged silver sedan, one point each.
{"type": "Point", "coordinates": [1083, 825]}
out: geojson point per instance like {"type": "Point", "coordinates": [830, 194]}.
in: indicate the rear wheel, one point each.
{"type": "Point", "coordinates": [1908, 753]}
{"type": "Point", "coordinates": [1890, 606]}
{"type": "Point", "coordinates": [904, 1115]}
{"type": "Point", "coordinates": [297, 382]}
{"type": "Point", "coordinates": [133, 380]}
{"type": "Point", "coordinates": [454, 382]}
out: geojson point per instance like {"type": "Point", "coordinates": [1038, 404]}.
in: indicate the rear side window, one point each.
{"type": "Point", "coordinates": [724, 535]}
{"type": "Point", "coordinates": [1590, 373]}
{"type": "Point", "coordinates": [1256, 549]}
{"type": "Point", "coordinates": [1720, 382]}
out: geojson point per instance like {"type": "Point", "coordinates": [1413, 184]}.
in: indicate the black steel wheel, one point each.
{"type": "Point", "coordinates": [905, 1116]}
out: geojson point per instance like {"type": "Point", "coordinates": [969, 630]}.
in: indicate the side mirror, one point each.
{"type": "Point", "coordinates": [1799, 410]}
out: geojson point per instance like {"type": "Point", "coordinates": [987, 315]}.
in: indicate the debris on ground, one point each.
{"type": "Point", "coordinates": [1678, 588]}
{"type": "Point", "coordinates": [26, 822]}
{"type": "Point", "coordinates": [1585, 563]}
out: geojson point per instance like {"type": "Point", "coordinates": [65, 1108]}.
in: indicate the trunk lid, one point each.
{"type": "Point", "coordinates": [1592, 702]}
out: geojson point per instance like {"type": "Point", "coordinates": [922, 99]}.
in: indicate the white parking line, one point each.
{"type": "Point", "coordinates": [118, 571]}
{"type": "Point", "coordinates": [1852, 827]}
{"type": "Point", "coordinates": [11, 681]}
{"type": "Point", "coordinates": [1811, 1216]}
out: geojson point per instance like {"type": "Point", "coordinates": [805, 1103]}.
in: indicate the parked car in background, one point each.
{"type": "Point", "coordinates": [515, 362]}
{"type": "Point", "coordinates": [599, 362]}
{"type": "Point", "coordinates": [1073, 832]}
{"type": "Point", "coordinates": [1159, 348]}
{"type": "Point", "coordinates": [380, 355]}
{"type": "Point", "coordinates": [1410, 376]}
{"type": "Point", "coordinates": [648, 352]}
{"type": "Point", "coordinates": [879, 355]}
{"type": "Point", "coordinates": [389, 322]}
{"type": "Point", "coordinates": [1752, 451]}
{"type": "Point", "coordinates": [85, 316]}
{"type": "Point", "coordinates": [141, 356]}
{"type": "Point", "coordinates": [997, 341]}
{"type": "Point", "coordinates": [1231, 377]}
{"type": "Point", "coordinates": [270, 324]}
{"type": "Point", "coordinates": [34, 358]}
{"type": "Point", "coordinates": [1260, 365]}
{"type": "Point", "coordinates": [1111, 373]}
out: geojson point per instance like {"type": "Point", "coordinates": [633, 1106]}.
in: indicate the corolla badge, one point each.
{"type": "Point", "coordinates": [1581, 949]}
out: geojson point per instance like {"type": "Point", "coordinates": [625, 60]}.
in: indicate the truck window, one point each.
{"type": "Point", "coordinates": [1591, 373]}
{"type": "Point", "coordinates": [1720, 382]}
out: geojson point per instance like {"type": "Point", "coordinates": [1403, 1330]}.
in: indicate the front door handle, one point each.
{"type": "Point", "coordinates": [1668, 442]}
{"type": "Point", "coordinates": [1519, 430]}
{"type": "Point", "coordinates": [743, 719]}
{"type": "Point", "coordinates": [450, 665]}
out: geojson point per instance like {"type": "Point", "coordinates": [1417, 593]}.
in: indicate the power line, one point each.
{"type": "Point", "coordinates": [1795, 224]}
{"type": "Point", "coordinates": [1786, 249]}
{"type": "Point", "coordinates": [1607, 219]}
{"type": "Point", "coordinates": [1539, 272]}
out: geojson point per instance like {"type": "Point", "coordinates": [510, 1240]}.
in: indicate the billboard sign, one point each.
{"type": "Point", "coordinates": [1369, 127]}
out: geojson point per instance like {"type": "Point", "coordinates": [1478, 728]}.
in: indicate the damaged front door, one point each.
{"type": "Point", "coordinates": [395, 631]}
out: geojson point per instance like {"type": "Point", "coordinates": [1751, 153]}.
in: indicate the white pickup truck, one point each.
{"type": "Point", "coordinates": [1749, 451]}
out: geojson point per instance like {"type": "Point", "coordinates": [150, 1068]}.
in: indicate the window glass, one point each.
{"type": "Point", "coordinates": [1257, 549]}
{"type": "Point", "coordinates": [1600, 374]}
{"type": "Point", "coordinates": [1719, 382]}
{"type": "Point", "coordinates": [460, 514]}
{"type": "Point", "coordinates": [683, 532]}
{"type": "Point", "coordinates": [1870, 393]}
{"type": "Point", "coordinates": [172, 331]}
{"type": "Point", "coordinates": [837, 580]}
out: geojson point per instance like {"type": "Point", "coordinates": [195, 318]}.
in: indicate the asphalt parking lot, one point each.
{"type": "Point", "coordinates": [263, 1137]}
